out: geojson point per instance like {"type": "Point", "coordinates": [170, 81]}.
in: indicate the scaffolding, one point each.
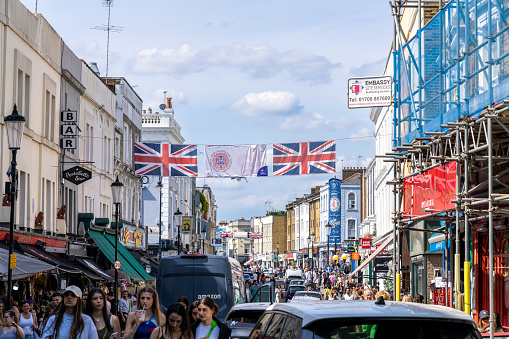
{"type": "Point", "coordinates": [480, 148]}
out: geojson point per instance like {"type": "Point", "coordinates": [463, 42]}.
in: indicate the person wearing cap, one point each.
{"type": "Point", "coordinates": [484, 322]}
{"type": "Point", "coordinates": [69, 321]}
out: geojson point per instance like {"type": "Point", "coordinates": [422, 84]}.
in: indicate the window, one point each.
{"type": "Point", "coordinates": [351, 229]}
{"type": "Point", "coordinates": [23, 68]}
{"type": "Point", "coordinates": [50, 88]}
{"type": "Point", "coordinates": [351, 201]}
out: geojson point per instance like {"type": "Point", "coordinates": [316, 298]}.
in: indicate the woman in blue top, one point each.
{"type": "Point", "coordinates": [141, 323]}
{"type": "Point", "coordinates": [69, 321]}
{"type": "Point", "coordinates": [11, 329]}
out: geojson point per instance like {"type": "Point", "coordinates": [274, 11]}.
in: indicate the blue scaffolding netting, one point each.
{"type": "Point", "coordinates": [455, 66]}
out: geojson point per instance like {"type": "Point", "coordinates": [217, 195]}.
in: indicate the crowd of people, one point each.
{"type": "Point", "coordinates": [70, 315]}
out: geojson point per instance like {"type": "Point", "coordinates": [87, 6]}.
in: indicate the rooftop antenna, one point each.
{"type": "Point", "coordinates": [108, 28]}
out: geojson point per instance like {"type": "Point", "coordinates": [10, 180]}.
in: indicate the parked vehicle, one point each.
{"type": "Point", "coordinates": [292, 289]}
{"type": "Point", "coordinates": [362, 320]}
{"type": "Point", "coordinates": [196, 276]}
{"type": "Point", "coordinates": [243, 317]}
{"type": "Point", "coordinates": [306, 296]}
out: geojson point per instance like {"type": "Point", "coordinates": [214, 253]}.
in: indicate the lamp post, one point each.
{"type": "Point", "coordinates": [312, 250]}
{"type": "Point", "coordinates": [328, 229]}
{"type": "Point", "coordinates": [203, 236]}
{"type": "Point", "coordinates": [14, 124]}
{"type": "Point", "coordinates": [116, 193]}
{"type": "Point", "coordinates": [277, 255]}
{"type": "Point", "coordinates": [160, 186]}
{"type": "Point", "coordinates": [178, 214]}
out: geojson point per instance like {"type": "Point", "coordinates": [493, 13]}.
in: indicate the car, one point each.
{"type": "Point", "coordinates": [242, 318]}
{"type": "Point", "coordinates": [298, 282]}
{"type": "Point", "coordinates": [247, 278]}
{"type": "Point", "coordinates": [306, 296]}
{"type": "Point", "coordinates": [363, 319]}
{"type": "Point", "coordinates": [292, 289]}
{"type": "Point", "coordinates": [200, 275]}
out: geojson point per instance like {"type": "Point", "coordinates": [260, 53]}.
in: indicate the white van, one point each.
{"type": "Point", "coordinates": [293, 274]}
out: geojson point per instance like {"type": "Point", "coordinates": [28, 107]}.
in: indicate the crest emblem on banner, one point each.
{"type": "Point", "coordinates": [334, 204]}
{"type": "Point", "coordinates": [221, 161]}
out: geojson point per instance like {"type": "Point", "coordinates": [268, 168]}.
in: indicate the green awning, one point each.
{"type": "Point", "coordinates": [130, 266]}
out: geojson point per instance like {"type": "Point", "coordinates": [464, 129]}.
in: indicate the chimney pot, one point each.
{"type": "Point", "coordinates": [150, 110]}
{"type": "Point", "coordinates": [168, 102]}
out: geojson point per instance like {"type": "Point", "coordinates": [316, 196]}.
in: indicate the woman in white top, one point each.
{"type": "Point", "coordinates": [278, 293]}
{"type": "Point", "coordinates": [27, 320]}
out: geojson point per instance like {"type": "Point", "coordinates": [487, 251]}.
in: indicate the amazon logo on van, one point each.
{"type": "Point", "coordinates": [213, 296]}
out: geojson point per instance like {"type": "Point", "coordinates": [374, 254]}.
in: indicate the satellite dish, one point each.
{"type": "Point", "coordinates": [162, 107]}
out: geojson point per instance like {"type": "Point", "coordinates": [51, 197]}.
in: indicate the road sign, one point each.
{"type": "Point", "coordinates": [328, 269]}
{"type": "Point", "coordinates": [117, 264]}
{"type": "Point", "coordinates": [356, 256]}
{"type": "Point", "coordinates": [13, 260]}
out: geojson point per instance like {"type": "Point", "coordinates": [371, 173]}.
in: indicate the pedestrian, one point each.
{"type": "Point", "coordinates": [69, 322]}
{"type": "Point", "coordinates": [253, 289]}
{"type": "Point", "coordinates": [193, 311]}
{"type": "Point", "coordinates": [368, 295]}
{"type": "Point", "coordinates": [106, 324]}
{"type": "Point", "coordinates": [184, 302]}
{"type": "Point", "coordinates": [348, 294]}
{"type": "Point", "coordinates": [278, 293]}
{"type": "Point", "coordinates": [176, 326]}
{"type": "Point", "coordinates": [147, 316]}
{"type": "Point", "coordinates": [123, 308]}
{"type": "Point", "coordinates": [484, 322]}
{"type": "Point", "coordinates": [2, 310]}
{"type": "Point", "coordinates": [418, 298]}
{"type": "Point", "coordinates": [208, 326]}
{"type": "Point", "coordinates": [57, 296]}
{"type": "Point", "coordinates": [248, 292]}
{"type": "Point", "coordinates": [27, 319]}
{"type": "Point", "coordinates": [11, 330]}
{"type": "Point", "coordinates": [407, 298]}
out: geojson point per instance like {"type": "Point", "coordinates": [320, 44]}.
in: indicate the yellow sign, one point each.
{"type": "Point", "coordinates": [125, 235]}
{"type": "Point", "coordinates": [13, 261]}
{"type": "Point", "coordinates": [137, 238]}
{"type": "Point", "coordinates": [186, 224]}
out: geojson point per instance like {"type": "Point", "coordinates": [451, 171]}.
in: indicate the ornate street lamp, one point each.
{"type": "Point", "coordinates": [116, 193]}
{"type": "Point", "coordinates": [312, 250]}
{"type": "Point", "coordinates": [14, 124]}
{"type": "Point", "coordinates": [203, 236]}
{"type": "Point", "coordinates": [328, 229]}
{"type": "Point", "coordinates": [178, 214]}
{"type": "Point", "coordinates": [277, 255]}
{"type": "Point", "coordinates": [160, 186]}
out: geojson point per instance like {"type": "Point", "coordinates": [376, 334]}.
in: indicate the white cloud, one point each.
{"type": "Point", "coordinates": [362, 134]}
{"type": "Point", "coordinates": [258, 62]}
{"type": "Point", "coordinates": [267, 104]}
{"type": "Point", "coordinates": [313, 121]}
{"type": "Point", "coordinates": [369, 69]}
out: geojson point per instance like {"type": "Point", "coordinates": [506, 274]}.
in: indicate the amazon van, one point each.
{"type": "Point", "coordinates": [196, 276]}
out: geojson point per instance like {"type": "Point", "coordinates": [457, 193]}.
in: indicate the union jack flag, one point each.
{"type": "Point", "coordinates": [304, 158]}
{"type": "Point", "coordinates": [225, 234]}
{"type": "Point", "coordinates": [255, 235]}
{"type": "Point", "coordinates": [165, 160]}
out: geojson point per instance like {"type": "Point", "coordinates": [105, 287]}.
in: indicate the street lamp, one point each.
{"type": "Point", "coordinates": [277, 255]}
{"type": "Point", "coordinates": [116, 193]}
{"type": "Point", "coordinates": [160, 186]}
{"type": "Point", "coordinates": [178, 214]}
{"type": "Point", "coordinates": [312, 250]}
{"type": "Point", "coordinates": [328, 229]}
{"type": "Point", "coordinates": [203, 236]}
{"type": "Point", "coordinates": [14, 124]}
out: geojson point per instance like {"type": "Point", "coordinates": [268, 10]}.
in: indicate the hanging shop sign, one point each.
{"type": "Point", "coordinates": [186, 224]}
{"type": "Point", "coordinates": [133, 237]}
{"type": "Point", "coordinates": [431, 191]}
{"type": "Point", "coordinates": [381, 263]}
{"type": "Point", "coordinates": [369, 92]}
{"type": "Point", "coordinates": [77, 175]}
{"type": "Point", "coordinates": [366, 243]}
{"type": "Point", "coordinates": [69, 130]}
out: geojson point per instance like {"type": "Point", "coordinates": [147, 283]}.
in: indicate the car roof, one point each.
{"type": "Point", "coordinates": [302, 293]}
{"type": "Point", "coordinates": [310, 311]}
{"type": "Point", "coordinates": [250, 307]}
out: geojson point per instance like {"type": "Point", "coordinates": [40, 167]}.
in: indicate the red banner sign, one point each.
{"type": "Point", "coordinates": [366, 243]}
{"type": "Point", "coordinates": [431, 191]}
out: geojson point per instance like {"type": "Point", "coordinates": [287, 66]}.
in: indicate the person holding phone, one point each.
{"type": "Point", "coordinates": [107, 325]}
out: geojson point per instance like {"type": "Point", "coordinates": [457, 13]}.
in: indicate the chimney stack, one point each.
{"type": "Point", "coordinates": [150, 110]}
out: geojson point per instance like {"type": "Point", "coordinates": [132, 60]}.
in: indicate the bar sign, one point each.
{"type": "Point", "coordinates": [12, 261]}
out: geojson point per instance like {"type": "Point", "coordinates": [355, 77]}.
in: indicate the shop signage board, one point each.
{"type": "Point", "coordinates": [186, 224]}
{"type": "Point", "coordinates": [381, 263]}
{"type": "Point", "coordinates": [13, 261]}
{"type": "Point", "coordinates": [133, 237]}
{"type": "Point", "coordinates": [369, 92]}
{"type": "Point", "coordinates": [366, 243]}
{"type": "Point", "coordinates": [69, 130]}
{"type": "Point", "coordinates": [335, 210]}
{"type": "Point", "coordinates": [77, 175]}
{"type": "Point", "coordinates": [431, 191]}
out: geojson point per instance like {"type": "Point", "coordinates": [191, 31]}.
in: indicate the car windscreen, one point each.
{"type": "Point", "coordinates": [307, 294]}
{"type": "Point", "coordinates": [296, 288]}
{"type": "Point", "coordinates": [244, 316]}
{"type": "Point", "coordinates": [395, 328]}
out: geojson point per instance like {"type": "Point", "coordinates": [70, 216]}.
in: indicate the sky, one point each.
{"type": "Point", "coordinates": [242, 72]}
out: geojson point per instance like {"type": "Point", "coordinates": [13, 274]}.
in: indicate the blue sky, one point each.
{"type": "Point", "coordinates": [242, 72]}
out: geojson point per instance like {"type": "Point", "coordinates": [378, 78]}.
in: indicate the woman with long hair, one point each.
{"type": "Point", "coordinates": [27, 319]}
{"type": "Point", "coordinates": [69, 322]}
{"type": "Point", "coordinates": [207, 325]}
{"type": "Point", "coordinates": [177, 324]}
{"type": "Point", "coordinates": [147, 317]}
{"type": "Point", "coordinates": [11, 330]}
{"type": "Point", "coordinates": [107, 325]}
{"type": "Point", "coordinates": [2, 310]}
{"type": "Point", "coordinates": [193, 311]}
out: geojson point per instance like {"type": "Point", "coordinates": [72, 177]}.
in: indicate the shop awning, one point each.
{"type": "Point", "coordinates": [145, 259]}
{"type": "Point", "coordinates": [25, 266]}
{"type": "Point", "coordinates": [129, 265]}
{"type": "Point", "coordinates": [50, 258]}
{"type": "Point", "coordinates": [92, 267]}
{"type": "Point", "coordinates": [374, 254]}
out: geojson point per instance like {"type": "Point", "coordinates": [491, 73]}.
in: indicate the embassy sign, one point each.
{"type": "Point", "coordinates": [77, 175]}
{"type": "Point", "coordinates": [369, 92]}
